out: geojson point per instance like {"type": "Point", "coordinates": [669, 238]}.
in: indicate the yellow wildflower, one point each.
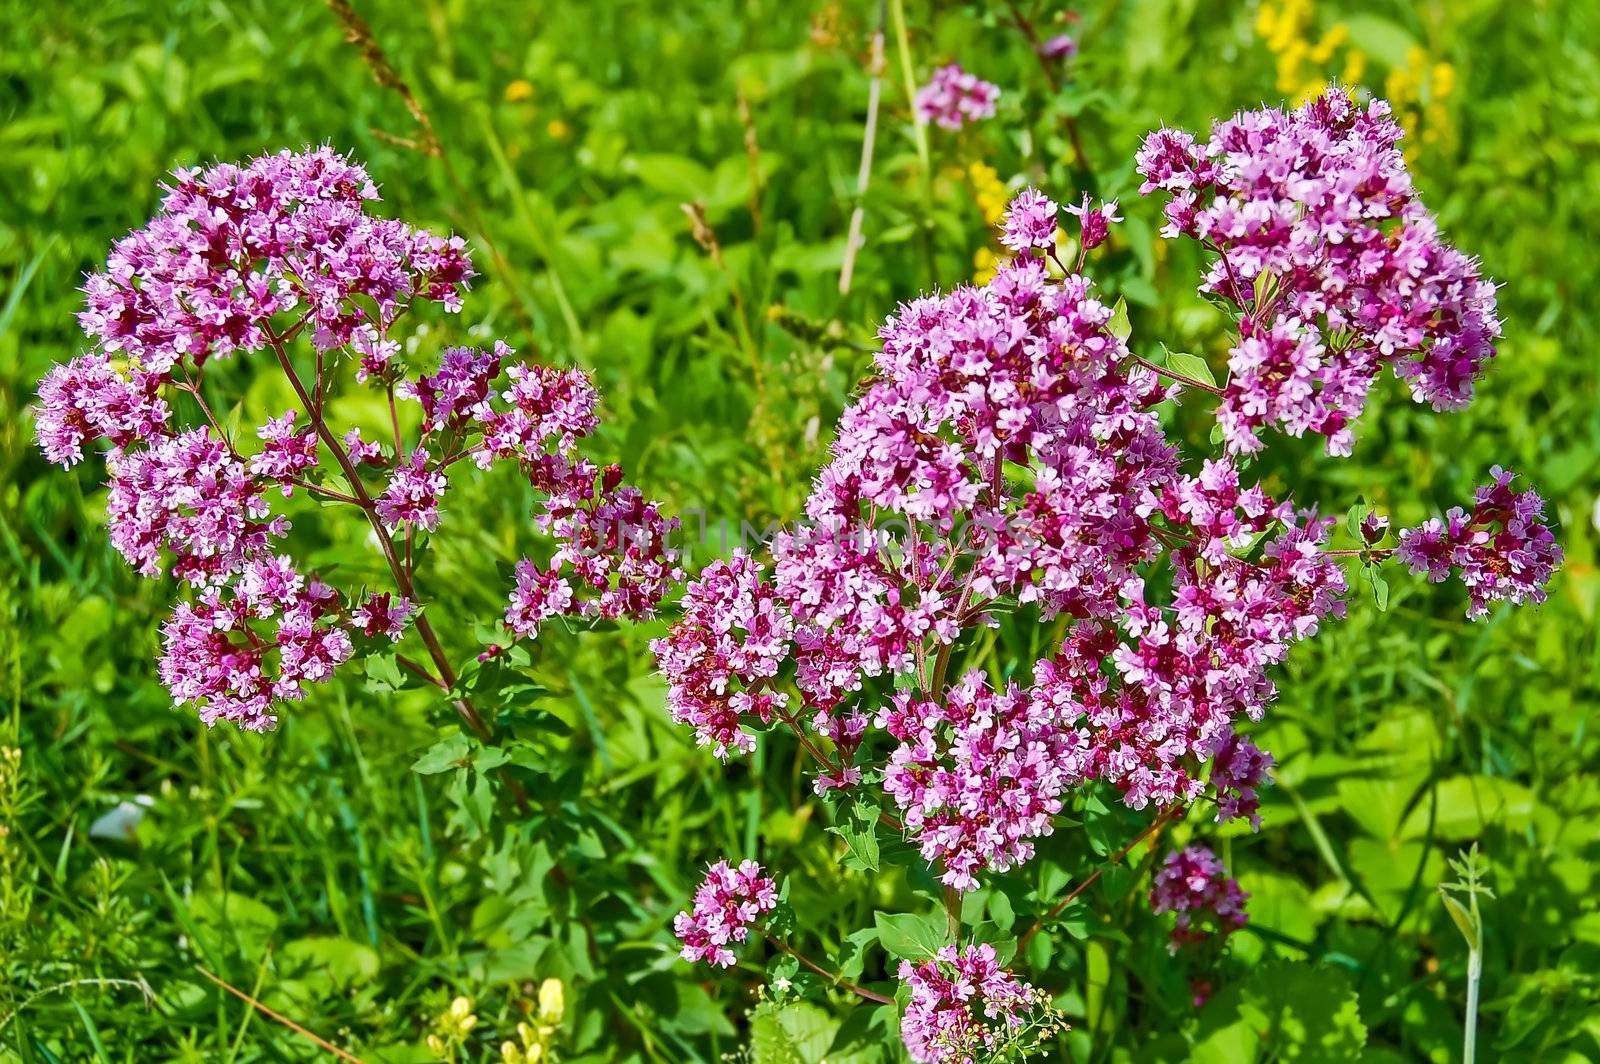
{"type": "Point", "coordinates": [988, 192]}
{"type": "Point", "coordinates": [1302, 64]}
{"type": "Point", "coordinates": [552, 1001]}
{"type": "Point", "coordinates": [984, 263]}
{"type": "Point", "coordinates": [519, 90]}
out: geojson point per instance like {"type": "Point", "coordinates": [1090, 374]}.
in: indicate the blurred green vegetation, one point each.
{"type": "Point", "coordinates": [315, 870]}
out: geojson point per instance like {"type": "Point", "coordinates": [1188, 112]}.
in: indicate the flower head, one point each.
{"type": "Point", "coordinates": [253, 257]}
{"type": "Point", "coordinates": [1502, 549]}
{"type": "Point", "coordinates": [963, 1006]}
{"type": "Point", "coordinates": [1335, 265]}
{"type": "Point", "coordinates": [1094, 223]}
{"type": "Point", "coordinates": [1030, 222]}
{"type": "Point", "coordinates": [726, 904]}
{"type": "Point", "coordinates": [1192, 883]}
{"type": "Point", "coordinates": [954, 97]}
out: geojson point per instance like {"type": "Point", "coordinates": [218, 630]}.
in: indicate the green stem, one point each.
{"type": "Point", "coordinates": [919, 129]}
{"type": "Point", "coordinates": [1469, 1046]}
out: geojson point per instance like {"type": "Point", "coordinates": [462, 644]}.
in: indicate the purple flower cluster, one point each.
{"type": "Point", "coordinates": [731, 640]}
{"type": "Point", "coordinates": [979, 775]}
{"type": "Point", "coordinates": [1030, 222]}
{"type": "Point", "coordinates": [236, 651]}
{"type": "Point", "coordinates": [1238, 768]}
{"type": "Point", "coordinates": [1333, 263]}
{"type": "Point", "coordinates": [236, 246]}
{"type": "Point", "coordinates": [1502, 549]}
{"type": "Point", "coordinates": [1009, 454]}
{"type": "Point", "coordinates": [1192, 883]}
{"type": "Point", "coordinates": [726, 904]}
{"type": "Point", "coordinates": [244, 259]}
{"type": "Point", "coordinates": [88, 399]}
{"type": "Point", "coordinates": [954, 97]}
{"type": "Point", "coordinates": [964, 1006]}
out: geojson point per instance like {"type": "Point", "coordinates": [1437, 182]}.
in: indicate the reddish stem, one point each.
{"type": "Point", "coordinates": [1170, 814]}
{"type": "Point", "coordinates": [364, 502]}
{"type": "Point", "coordinates": [834, 978]}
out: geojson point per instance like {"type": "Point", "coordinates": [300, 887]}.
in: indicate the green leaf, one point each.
{"type": "Point", "coordinates": [383, 672]}
{"type": "Point", "coordinates": [1380, 586]}
{"type": "Point", "coordinates": [234, 920]}
{"type": "Point", "coordinates": [1355, 515]}
{"type": "Point", "coordinates": [908, 936]}
{"type": "Point", "coordinates": [795, 1032]}
{"type": "Point", "coordinates": [444, 755]}
{"type": "Point", "coordinates": [1380, 38]}
{"type": "Point", "coordinates": [1286, 1012]}
{"type": "Point", "coordinates": [1463, 919]}
{"type": "Point", "coordinates": [1192, 366]}
{"type": "Point", "coordinates": [1468, 806]}
{"type": "Point", "coordinates": [1001, 911]}
{"type": "Point", "coordinates": [328, 962]}
{"type": "Point", "coordinates": [673, 176]}
{"type": "Point", "coordinates": [860, 835]}
{"type": "Point", "coordinates": [1119, 325]}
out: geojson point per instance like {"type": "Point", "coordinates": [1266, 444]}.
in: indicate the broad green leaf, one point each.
{"type": "Point", "coordinates": [908, 936]}
{"type": "Point", "coordinates": [1283, 1011]}
{"type": "Point", "coordinates": [444, 755]}
{"type": "Point", "coordinates": [1468, 806]}
{"type": "Point", "coordinates": [338, 963]}
{"type": "Point", "coordinates": [795, 1032]}
{"type": "Point", "coordinates": [1380, 38]}
{"type": "Point", "coordinates": [860, 834]}
{"type": "Point", "coordinates": [1119, 325]}
{"type": "Point", "coordinates": [234, 921]}
{"type": "Point", "coordinates": [1191, 366]}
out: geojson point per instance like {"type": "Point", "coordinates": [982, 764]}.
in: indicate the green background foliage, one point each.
{"type": "Point", "coordinates": [359, 867]}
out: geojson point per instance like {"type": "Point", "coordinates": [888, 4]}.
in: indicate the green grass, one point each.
{"type": "Point", "coordinates": [314, 870]}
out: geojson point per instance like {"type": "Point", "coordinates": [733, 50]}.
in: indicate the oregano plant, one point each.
{"type": "Point", "coordinates": [1008, 460]}
{"type": "Point", "coordinates": [1008, 457]}
{"type": "Point", "coordinates": [281, 261]}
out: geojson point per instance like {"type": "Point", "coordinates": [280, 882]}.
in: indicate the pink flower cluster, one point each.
{"type": "Point", "coordinates": [1192, 883]}
{"type": "Point", "coordinates": [1333, 263]}
{"type": "Point", "coordinates": [726, 904]}
{"type": "Point", "coordinates": [215, 650]}
{"type": "Point", "coordinates": [1030, 222]}
{"type": "Point", "coordinates": [244, 259]}
{"type": "Point", "coordinates": [954, 97]}
{"type": "Point", "coordinates": [963, 1006]}
{"type": "Point", "coordinates": [979, 775]}
{"type": "Point", "coordinates": [236, 246]}
{"type": "Point", "coordinates": [1502, 549]}
{"type": "Point", "coordinates": [731, 640]}
{"type": "Point", "coordinates": [1238, 768]}
{"type": "Point", "coordinates": [1009, 454]}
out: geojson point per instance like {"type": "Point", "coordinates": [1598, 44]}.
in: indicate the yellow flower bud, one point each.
{"type": "Point", "coordinates": [1444, 79]}
{"type": "Point", "coordinates": [552, 1000]}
